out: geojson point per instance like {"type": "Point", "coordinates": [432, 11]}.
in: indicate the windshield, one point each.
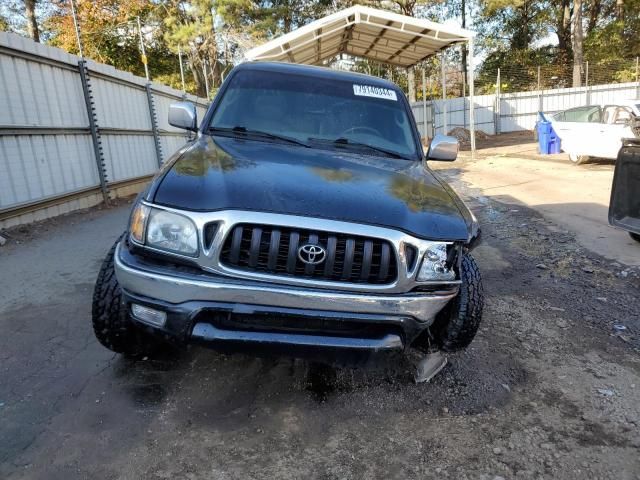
{"type": "Point", "coordinates": [590, 114]}
{"type": "Point", "coordinates": [319, 112]}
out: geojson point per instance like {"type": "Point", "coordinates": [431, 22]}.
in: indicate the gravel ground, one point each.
{"type": "Point", "coordinates": [549, 388]}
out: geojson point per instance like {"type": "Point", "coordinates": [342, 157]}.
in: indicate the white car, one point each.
{"type": "Point", "coordinates": [596, 130]}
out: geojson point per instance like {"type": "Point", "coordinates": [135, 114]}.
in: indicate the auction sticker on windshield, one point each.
{"type": "Point", "coordinates": [375, 92]}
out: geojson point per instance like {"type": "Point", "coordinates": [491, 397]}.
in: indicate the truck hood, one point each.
{"type": "Point", "coordinates": [230, 173]}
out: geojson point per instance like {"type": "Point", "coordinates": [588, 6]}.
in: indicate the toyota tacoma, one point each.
{"type": "Point", "coordinates": [302, 218]}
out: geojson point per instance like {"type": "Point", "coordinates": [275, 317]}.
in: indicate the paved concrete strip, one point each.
{"type": "Point", "coordinates": [574, 197]}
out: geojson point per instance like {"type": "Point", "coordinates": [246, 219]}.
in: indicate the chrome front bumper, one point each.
{"type": "Point", "coordinates": [188, 292]}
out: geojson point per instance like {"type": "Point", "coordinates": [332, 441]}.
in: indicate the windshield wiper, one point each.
{"type": "Point", "coordinates": [244, 131]}
{"type": "Point", "coordinates": [346, 142]}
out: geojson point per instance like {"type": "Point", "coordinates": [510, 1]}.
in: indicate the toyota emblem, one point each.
{"type": "Point", "coordinates": [312, 254]}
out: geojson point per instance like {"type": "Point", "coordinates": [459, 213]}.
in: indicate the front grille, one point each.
{"type": "Point", "coordinates": [274, 250]}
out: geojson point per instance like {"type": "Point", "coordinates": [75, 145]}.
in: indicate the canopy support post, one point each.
{"type": "Point", "coordinates": [424, 105]}
{"type": "Point", "coordinates": [472, 117]}
{"type": "Point", "coordinates": [444, 95]}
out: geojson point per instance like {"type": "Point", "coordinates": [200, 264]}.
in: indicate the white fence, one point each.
{"type": "Point", "coordinates": [47, 150]}
{"type": "Point", "coordinates": [511, 112]}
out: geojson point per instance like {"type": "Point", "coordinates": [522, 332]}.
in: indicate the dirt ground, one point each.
{"type": "Point", "coordinates": [549, 388]}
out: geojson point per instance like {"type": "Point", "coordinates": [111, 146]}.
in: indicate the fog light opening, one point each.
{"type": "Point", "coordinates": [149, 315]}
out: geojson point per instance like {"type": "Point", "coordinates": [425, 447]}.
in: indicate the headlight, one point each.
{"type": "Point", "coordinates": [434, 264]}
{"type": "Point", "coordinates": [171, 232]}
{"type": "Point", "coordinates": [164, 230]}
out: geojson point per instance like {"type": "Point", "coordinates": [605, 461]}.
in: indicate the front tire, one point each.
{"type": "Point", "coordinates": [111, 323]}
{"type": "Point", "coordinates": [578, 159]}
{"type": "Point", "coordinates": [457, 324]}
{"type": "Point", "coordinates": [635, 236]}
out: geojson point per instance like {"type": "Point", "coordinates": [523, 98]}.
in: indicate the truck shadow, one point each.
{"type": "Point", "coordinates": [227, 389]}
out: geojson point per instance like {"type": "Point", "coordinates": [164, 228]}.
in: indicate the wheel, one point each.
{"type": "Point", "coordinates": [635, 236]}
{"type": "Point", "coordinates": [111, 323]}
{"type": "Point", "coordinates": [457, 324]}
{"type": "Point", "coordinates": [578, 159]}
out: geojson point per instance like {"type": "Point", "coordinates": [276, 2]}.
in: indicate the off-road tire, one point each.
{"type": "Point", "coordinates": [111, 323]}
{"type": "Point", "coordinates": [457, 324]}
{"type": "Point", "coordinates": [635, 236]}
{"type": "Point", "coordinates": [579, 159]}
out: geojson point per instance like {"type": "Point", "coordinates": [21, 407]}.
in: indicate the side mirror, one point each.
{"type": "Point", "coordinates": [443, 148]}
{"type": "Point", "coordinates": [183, 115]}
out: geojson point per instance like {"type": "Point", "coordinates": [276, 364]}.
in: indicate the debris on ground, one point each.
{"type": "Point", "coordinates": [464, 135]}
{"type": "Point", "coordinates": [2, 240]}
{"type": "Point", "coordinates": [429, 366]}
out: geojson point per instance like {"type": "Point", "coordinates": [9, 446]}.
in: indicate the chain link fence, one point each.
{"type": "Point", "coordinates": [508, 98]}
{"type": "Point", "coordinates": [519, 78]}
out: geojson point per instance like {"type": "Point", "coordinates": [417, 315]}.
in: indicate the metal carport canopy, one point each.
{"type": "Point", "coordinates": [362, 32]}
{"type": "Point", "coordinates": [379, 35]}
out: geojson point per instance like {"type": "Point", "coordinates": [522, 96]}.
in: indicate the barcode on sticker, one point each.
{"type": "Point", "coordinates": [375, 92]}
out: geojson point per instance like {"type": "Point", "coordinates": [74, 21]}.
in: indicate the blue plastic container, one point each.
{"type": "Point", "coordinates": [543, 142]}
{"type": "Point", "coordinates": [544, 127]}
{"type": "Point", "coordinates": [548, 141]}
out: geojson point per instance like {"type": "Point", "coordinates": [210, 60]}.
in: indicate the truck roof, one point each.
{"type": "Point", "coordinates": [318, 72]}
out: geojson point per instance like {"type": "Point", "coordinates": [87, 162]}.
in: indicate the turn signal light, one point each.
{"type": "Point", "coordinates": [149, 315]}
{"type": "Point", "coordinates": [138, 221]}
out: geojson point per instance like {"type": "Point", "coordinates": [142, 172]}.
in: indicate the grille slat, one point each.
{"type": "Point", "coordinates": [254, 250]}
{"type": "Point", "coordinates": [274, 247]}
{"type": "Point", "coordinates": [349, 252]}
{"type": "Point", "coordinates": [236, 245]}
{"type": "Point", "coordinates": [366, 259]}
{"type": "Point", "coordinates": [274, 250]}
{"type": "Point", "coordinates": [292, 257]}
{"type": "Point", "coordinates": [331, 256]}
{"type": "Point", "coordinates": [384, 261]}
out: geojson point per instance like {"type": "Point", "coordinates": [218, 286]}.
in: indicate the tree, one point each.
{"type": "Point", "coordinates": [508, 30]}
{"type": "Point", "coordinates": [266, 19]}
{"type": "Point", "coordinates": [23, 17]}
{"type": "Point", "coordinates": [4, 24]}
{"type": "Point", "coordinates": [109, 34]}
{"type": "Point", "coordinates": [577, 43]}
{"type": "Point", "coordinates": [614, 39]}
{"type": "Point", "coordinates": [517, 24]}
{"type": "Point", "coordinates": [593, 14]}
{"type": "Point", "coordinates": [191, 28]}
{"type": "Point", "coordinates": [563, 30]}
{"type": "Point", "coordinates": [32, 22]}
